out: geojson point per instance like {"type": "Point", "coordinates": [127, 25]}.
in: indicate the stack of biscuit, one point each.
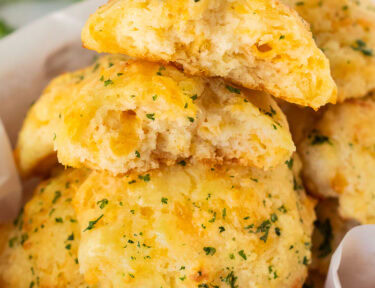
{"type": "Point", "coordinates": [168, 163]}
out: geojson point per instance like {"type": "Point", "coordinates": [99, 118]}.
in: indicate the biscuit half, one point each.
{"type": "Point", "coordinates": [120, 115]}
{"type": "Point", "coordinates": [261, 45]}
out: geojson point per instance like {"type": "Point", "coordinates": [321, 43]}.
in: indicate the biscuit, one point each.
{"type": "Point", "coordinates": [339, 158]}
{"type": "Point", "coordinates": [259, 44]}
{"type": "Point", "coordinates": [34, 152]}
{"type": "Point", "coordinates": [121, 115]}
{"type": "Point", "coordinates": [41, 248]}
{"type": "Point", "coordinates": [195, 226]}
{"type": "Point", "coordinates": [345, 31]}
{"type": "Point", "coordinates": [151, 114]}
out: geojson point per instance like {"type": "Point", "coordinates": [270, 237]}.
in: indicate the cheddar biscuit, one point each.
{"type": "Point", "coordinates": [256, 44]}
{"type": "Point", "coordinates": [345, 31]}
{"type": "Point", "coordinates": [121, 115]}
{"type": "Point", "coordinates": [195, 226]}
{"type": "Point", "coordinates": [41, 248]}
{"type": "Point", "coordinates": [34, 152]}
{"type": "Point", "coordinates": [339, 158]}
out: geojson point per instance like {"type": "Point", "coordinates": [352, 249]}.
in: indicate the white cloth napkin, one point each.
{"type": "Point", "coordinates": [353, 263]}
{"type": "Point", "coordinates": [10, 185]}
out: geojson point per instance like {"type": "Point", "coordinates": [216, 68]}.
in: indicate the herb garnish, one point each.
{"type": "Point", "coordinates": [57, 196]}
{"type": "Point", "coordinates": [325, 229]}
{"type": "Point", "coordinates": [233, 89]}
{"type": "Point", "coordinates": [209, 250]}
{"type": "Point", "coordinates": [102, 203]}
{"type": "Point", "coordinates": [93, 223]}
{"type": "Point", "coordinates": [242, 254]}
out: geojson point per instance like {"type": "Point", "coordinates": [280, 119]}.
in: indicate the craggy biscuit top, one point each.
{"type": "Point", "coordinates": [258, 44]}
{"type": "Point", "coordinates": [345, 31]}
{"type": "Point", "coordinates": [196, 226]}
{"type": "Point", "coordinates": [41, 248]}
{"type": "Point", "coordinates": [339, 158]}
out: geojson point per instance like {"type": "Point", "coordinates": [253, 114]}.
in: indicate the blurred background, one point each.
{"type": "Point", "coordinates": [17, 13]}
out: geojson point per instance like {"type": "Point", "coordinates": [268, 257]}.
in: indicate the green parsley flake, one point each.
{"type": "Point", "coordinates": [12, 241]}
{"type": "Point", "coordinates": [108, 82]}
{"type": "Point", "coordinates": [59, 220]}
{"type": "Point", "coordinates": [305, 261]}
{"type": "Point", "coordinates": [151, 116]}
{"type": "Point", "coordinates": [194, 97]}
{"type": "Point", "coordinates": [277, 231]}
{"type": "Point", "coordinates": [289, 163]}
{"type": "Point", "coordinates": [224, 214]}
{"type": "Point", "coordinates": [231, 280]}
{"type": "Point", "coordinates": [145, 178]}
{"type": "Point", "coordinates": [325, 229]}
{"type": "Point", "coordinates": [24, 238]}
{"type": "Point", "coordinates": [56, 197]}
{"type": "Point", "coordinates": [273, 217]}
{"type": "Point", "coordinates": [209, 250]}
{"type": "Point", "coordinates": [242, 254]}
{"type": "Point", "coordinates": [96, 67]}
{"type": "Point", "coordinates": [182, 163]}
{"type": "Point", "coordinates": [93, 223]}
{"type": "Point", "coordinates": [102, 203]}
{"type": "Point", "coordinates": [318, 139]}
{"type": "Point", "coordinates": [264, 228]}
{"type": "Point", "coordinates": [233, 89]}
{"type": "Point", "coordinates": [361, 46]}
{"type": "Point", "coordinates": [282, 209]}
{"type": "Point", "coordinates": [161, 68]}
{"type": "Point", "coordinates": [71, 237]}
